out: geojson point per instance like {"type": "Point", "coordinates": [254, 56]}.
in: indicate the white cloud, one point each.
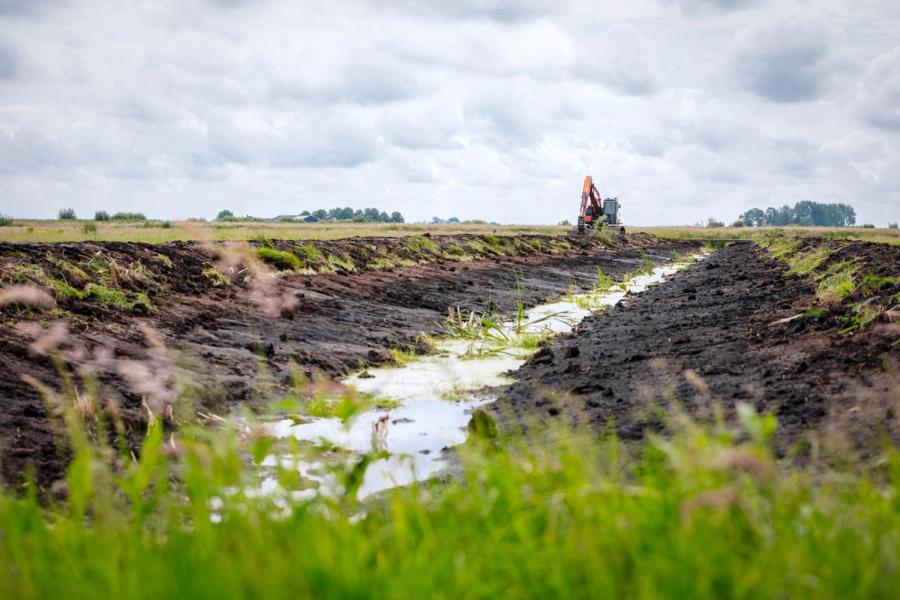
{"type": "Point", "coordinates": [620, 58]}
{"type": "Point", "coordinates": [482, 109]}
{"type": "Point", "coordinates": [701, 7]}
{"type": "Point", "coordinates": [879, 92]}
{"type": "Point", "coordinates": [789, 61]}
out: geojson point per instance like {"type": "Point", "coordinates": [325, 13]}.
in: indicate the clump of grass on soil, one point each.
{"type": "Point", "coordinates": [309, 252]}
{"type": "Point", "coordinates": [340, 263]}
{"type": "Point", "coordinates": [806, 263]}
{"type": "Point", "coordinates": [281, 259]}
{"type": "Point", "coordinates": [422, 245]}
{"type": "Point", "coordinates": [838, 282]}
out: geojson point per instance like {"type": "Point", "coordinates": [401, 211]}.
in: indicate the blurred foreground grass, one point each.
{"type": "Point", "coordinates": [705, 512]}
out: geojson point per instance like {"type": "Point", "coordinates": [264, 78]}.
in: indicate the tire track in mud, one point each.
{"type": "Point", "coordinates": [709, 335]}
{"type": "Point", "coordinates": [223, 350]}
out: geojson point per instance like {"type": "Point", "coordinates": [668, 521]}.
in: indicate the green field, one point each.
{"type": "Point", "coordinates": [166, 231]}
{"type": "Point", "coordinates": [882, 235]}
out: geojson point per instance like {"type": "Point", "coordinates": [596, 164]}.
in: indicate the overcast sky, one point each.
{"type": "Point", "coordinates": [492, 109]}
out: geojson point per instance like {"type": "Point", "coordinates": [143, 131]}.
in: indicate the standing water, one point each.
{"type": "Point", "coordinates": [437, 393]}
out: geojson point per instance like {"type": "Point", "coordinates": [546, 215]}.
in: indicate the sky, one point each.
{"type": "Point", "coordinates": [475, 109]}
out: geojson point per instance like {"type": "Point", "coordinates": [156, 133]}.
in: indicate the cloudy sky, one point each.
{"type": "Point", "coordinates": [491, 109]}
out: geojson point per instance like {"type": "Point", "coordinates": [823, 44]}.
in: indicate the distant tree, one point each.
{"type": "Point", "coordinates": [565, 223]}
{"type": "Point", "coordinates": [805, 213]}
{"type": "Point", "coordinates": [341, 214]}
{"type": "Point", "coordinates": [128, 216]}
{"type": "Point", "coordinates": [711, 222]}
{"type": "Point", "coordinates": [753, 218]}
{"type": "Point", "coordinates": [848, 215]}
{"type": "Point", "coordinates": [738, 223]}
{"type": "Point", "coordinates": [453, 220]}
{"type": "Point", "coordinates": [383, 217]}
{"type": "Point", "coordinates": [892, 225]}
{"type": "Point", "coordinates": [304, 213]}
{"type": "Point", "coordinates": [224, 214]}
{"type": "Point", "coordinates": [358, 217]}
{"type": "Point", "coordinates": [67, 214]}
{"type": "Point", "coordinates": [371, 215]}
{"type": "Point", "coordinates": [320, 214]}
{"type": "Point", "coordinates": [101, 215]}
{"type": "Point", "coordinates": [779, 217]}
{"type": "Point", "coordinates": [396, 217]}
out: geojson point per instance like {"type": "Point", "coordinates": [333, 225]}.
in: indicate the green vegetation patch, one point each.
{"type": "Point", "coordinates": [872, 283]}
{"type": "Point", "coordinates": [285, 261]}
{"type": "Point", "coordinates": [340, 263]}
{"type": "Point", "coordinates": [215, 276]}
{"type": "Point", "coordinates": [838, 282]}
{"type": "Point", "coordinates": [309, 253]}
{"type": "Point", "coordinates": [422, 245]}
{"type": "Point", "coordinates": [68, 267]}
{"type": "Point", "coordinates": [702, 513]}
{"type": "Point", "coordinates": [477, 246]}
{"type": "Point", "coordinates": [117, 298]}
{"type": "Point", "coordinates": [163, 260]}
{"type": "Point", "coordinates": [807, 262]}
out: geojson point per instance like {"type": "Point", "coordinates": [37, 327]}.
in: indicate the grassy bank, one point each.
{"type": "Point", "coordinates": [705, 513]}
{"type": "Point", "coordinates": [883, 235]}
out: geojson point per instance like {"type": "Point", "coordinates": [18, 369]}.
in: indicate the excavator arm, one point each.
{"type": "Point", "coordinates": [589, 197]}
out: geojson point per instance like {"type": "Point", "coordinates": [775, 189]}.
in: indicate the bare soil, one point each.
{"type": "Point", "coordinates": [184, 334]}
{"type": "Point", "coordinates": [711, 337]}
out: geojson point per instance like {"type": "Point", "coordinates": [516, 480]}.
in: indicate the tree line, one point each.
{"type": "Point", "coordinates": [366, 215]}
{"type": "Point", "coordinates": [802, 213]}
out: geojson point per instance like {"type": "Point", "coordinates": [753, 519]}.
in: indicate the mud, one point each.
{"type": "Point", "coordinates": [711, 337]}
{"type": "Point", "coordinates": [177, 330]}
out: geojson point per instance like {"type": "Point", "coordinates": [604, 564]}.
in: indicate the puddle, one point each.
{"type": "Point", "coordinates": [437, 395]}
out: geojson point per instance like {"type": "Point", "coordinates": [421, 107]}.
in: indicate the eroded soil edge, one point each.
{"type": "Point", "coordinates": [710, 335]}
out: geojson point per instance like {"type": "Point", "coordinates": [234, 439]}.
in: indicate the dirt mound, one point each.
{"type": "Point", "coordinates": [717, 334]}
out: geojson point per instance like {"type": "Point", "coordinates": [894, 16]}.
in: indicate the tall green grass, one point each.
{"type": "Point", "coordinates": [704, 512]}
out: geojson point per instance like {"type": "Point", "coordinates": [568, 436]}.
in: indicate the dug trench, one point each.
{"type": "Point", "coordinates": [735, 327]}
{"type": "Point", "coordinates": [173, 331]}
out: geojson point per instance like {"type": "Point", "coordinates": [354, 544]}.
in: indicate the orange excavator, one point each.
{"type": "Point", "coordinates": [596, 212]}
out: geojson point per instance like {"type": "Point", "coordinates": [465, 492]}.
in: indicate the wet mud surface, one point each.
{"type": "Point", "coordinates": [709, 337]}
{"type": "Point", "coordinates": [167, 334]}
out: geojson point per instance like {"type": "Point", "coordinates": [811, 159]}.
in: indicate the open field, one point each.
{"type": "Point", "coordinates": [177, 419]}
{"type": "Point", "coordinates": [156, 232]}
{"type": "Point", "coordinates": [880, 235]}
